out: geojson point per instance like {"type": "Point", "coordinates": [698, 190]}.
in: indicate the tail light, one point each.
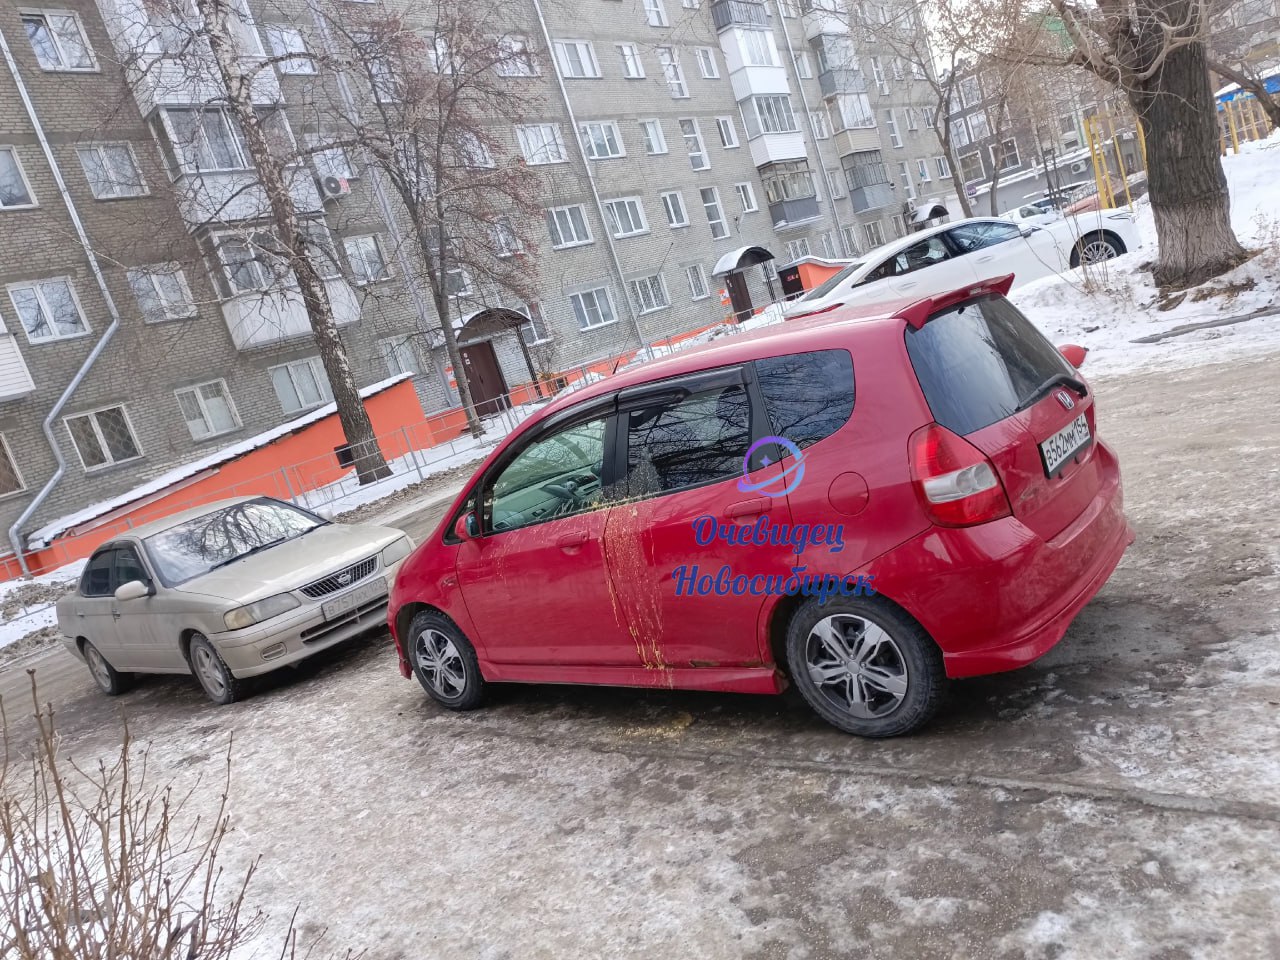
{"type": "Point", "coordinates": [956, 482]}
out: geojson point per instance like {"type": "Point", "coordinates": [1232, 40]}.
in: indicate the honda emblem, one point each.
{"type": "Point", "coordinates": [1064, 398]}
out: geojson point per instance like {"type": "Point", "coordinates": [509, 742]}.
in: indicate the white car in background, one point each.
{"type": "Point", "coordinates": [949, 256]}
{"type": "Point", "coordinates": [1038, 216]}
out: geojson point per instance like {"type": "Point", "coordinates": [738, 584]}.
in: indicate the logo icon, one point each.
{"type": "Point", "coordinates": [344, 577]}
{"type": "Point", "coordinates": [1064, 398]}
{"type": "Point", "coordinates": [774, 486]}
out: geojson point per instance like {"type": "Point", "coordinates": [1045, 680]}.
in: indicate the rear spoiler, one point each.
{"type": "Point", "coordinates": [919, 312]}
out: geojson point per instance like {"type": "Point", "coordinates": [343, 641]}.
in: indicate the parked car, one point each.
{"type": "Point", "coordinates": [1035, 214]}
{"type": "Point", "coordinates": [661, 528]}
{"type": "Point", "coordinates": [953, 254]}
{"type": "Point", "coordinates": [227, 591]}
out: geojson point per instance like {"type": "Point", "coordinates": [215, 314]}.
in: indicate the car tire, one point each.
{"type": "Point", "coordinates": [883, 690]}
{"type": "Point", "coordinates": [212, 672]}
{"type": "Point", "coordinates": [445, 662]}
{"type": "Point", "coordinates": [109, 680]}
{"type": "Point", "coordinates": [1094, 248]}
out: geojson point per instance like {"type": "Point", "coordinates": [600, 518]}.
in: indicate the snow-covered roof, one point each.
{"type": "Point", "coordinates": [44, 536]}
{"type": "Point", "coordinates": [729, 262]}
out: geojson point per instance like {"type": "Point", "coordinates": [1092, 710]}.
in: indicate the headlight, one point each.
{"type": "Point", "coordinates": [260, 610]}
{"type": "Point", "coordinates": [397, 551]}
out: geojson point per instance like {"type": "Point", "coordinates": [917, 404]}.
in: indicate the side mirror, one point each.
{"type": "Point", "coordinates": [1073, 354]}
{"type": "Point", "coordinates": [133, 590]}
{"type": "Point", "coordinates": [466, 527]}
{"type": "Point", "coordinates": [1028, 229]}
{"type": "Point", "coordinates": [324, 513]}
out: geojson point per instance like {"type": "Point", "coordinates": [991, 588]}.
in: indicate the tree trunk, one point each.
{"type": "Point", "coordinates": [474, 423]}
{"type": "Point", "coordinates": [357, 429]}
{"type": "Point", "coordinates": [944, 141]}
{"type": "Point", "coordinates": [1188, 189]}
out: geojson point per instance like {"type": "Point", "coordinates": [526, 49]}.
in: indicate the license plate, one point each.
{"type": "Point", "coordinates": [340, 606]}
{"type": "Point", "coordinates": [1065, 444]}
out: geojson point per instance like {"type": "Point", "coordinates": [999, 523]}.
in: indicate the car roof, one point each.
{"type": "Point", "coordinates": [173, 519]}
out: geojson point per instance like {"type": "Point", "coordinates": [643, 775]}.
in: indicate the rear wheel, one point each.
{"type": "Point", "coordinates": [864, 666]}
{"type": "Point", "coordinates": [219, 684]}
{"type": "Point", "coordinates": [445, 662]}
{"type": "Point", "coordinates": [1094, 248]}
{"type": "Point", "coordinates": [109, 680]}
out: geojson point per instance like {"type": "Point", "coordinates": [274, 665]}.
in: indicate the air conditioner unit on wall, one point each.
{"type": "Point", "coordinates": [1080, 166]}
{"type": "Point", "coordinates": [333, 187]}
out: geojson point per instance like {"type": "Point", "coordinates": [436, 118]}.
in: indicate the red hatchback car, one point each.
{"type": "Point", "coordinates": [861, 506]}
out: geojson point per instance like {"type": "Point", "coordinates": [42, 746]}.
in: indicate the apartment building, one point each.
{"type": "Point", "coordinates": [684, 148]}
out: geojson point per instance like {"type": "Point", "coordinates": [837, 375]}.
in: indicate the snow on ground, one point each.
{"type": "Point", "coordinates": [26, 606]}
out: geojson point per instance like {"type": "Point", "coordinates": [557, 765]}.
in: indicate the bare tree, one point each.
{"type": "Point", "coordinates": [1237, 56]}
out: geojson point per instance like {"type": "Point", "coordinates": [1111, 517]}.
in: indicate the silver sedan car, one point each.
{"type": "Point", "coordinates": [227, 591]}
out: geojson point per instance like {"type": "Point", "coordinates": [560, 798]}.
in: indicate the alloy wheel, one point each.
{"type": "Point", "coordinates": [856, 666]}
{"type": "Point", "coordinates": [209, 670]}
{"type": "Point", "coordinates": [1095, 251]}
{"type": "Point", "coordinates": [441, 664]}
{"type": "Point", "coordinates": [98, 667]}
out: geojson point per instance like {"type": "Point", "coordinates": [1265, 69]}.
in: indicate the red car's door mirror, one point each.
{"type": "Point", "coordinates": [467, 527]}
{"type": "Point", "coordinates": [1074, 354]}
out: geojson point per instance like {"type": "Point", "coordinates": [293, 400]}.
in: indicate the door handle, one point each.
{"type": "Point", "coordinates": [908, 286]}
{"type": "Point", "coordinates": [987, 259]}
{"type": "Point", "coordinates": [570, 540]}
{"type": "Point", "coordinates": [115, 614]}
{"type": "Point", "coordinates": [746, 508]}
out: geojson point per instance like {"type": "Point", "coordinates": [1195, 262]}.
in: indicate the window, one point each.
{"type": "Point", "coordinates": [979, 128]}
{"type": "Point", "coordinates": [899, 228]}
{"type": "Point", "coordinates": [913, 122]}
{"type": "Point", "coordinates": [891, 124]}
{"type": "Point", "coordinates": [790, 180]}
{"type": "Point", "coordinates": [162, 293]}
{"type": "Point", "coordinates": [541, 143]}
{"type": "Point", "coordinates": [695, 440]}
{"type": "Point", "coordinates": [208, 409]}
{"type": "Point", "coordinates": [103, 437]}
{"type": "Point", "coordinates": [943, 168]}
{"type": "Point", "coordinates": [401, 356]}
{"type": "Point", "coordinates": [655, 14]}
{"type": "Point", "coordinates": [536, 330]}
{"type": "Point", "coordinates": [568, 226]}
{"type": "Point", "coordinates": [970, 91]}
{"type": "Point", "coordinates": [971, 167]}
{"type": "Point", "coordinates": [821, 129]}
{"type": "Point", "coordinates": [922, 171]}
{"type": "Point", "coordinates": [1004, 156]}
{"type": "Point", "coordinates": [206, 140]}
{"type": "Point", "coordinates": [287, 45]}
{"type": "Point", "coordinates": [767, 114]}
{"type": "Point", "coordinates": [58, 41]}
{"type": "Point", "coordinates": [746, 197]}
{"type": "Point", "coordinates": [457, 281]}
{"type": "Point", "coordinates": [849, 235]}
{"type": "Point", "coordinates": [48, 310]}
{"type": "Point", "coordinates": [15, 192]}
{"type": "Point", "coordinates": [673, 73]}
{"type": "Point", "coordinates": [473, 152]}
{"type": "Point", "coordinates": [517, 497]}
{"type": "Point", "coordinates": [758, 49]}
{"type": "Point", "coordinates": [690, 4]}
{"type": "Point", "coordinates": [506, 242]}
{"type": "Point", "coordinates": [111, 171]}
{"type": "Point", "coordinates": [577, 59]}
{"type": "Point", "coordinates": [877, 73]}
{"type": "Point", "coordinates": [693, 144]}
{"type": "Point", "coordinates": [851, 111]}
{"type": "Point", "coordinates": [895, 67]}
{"type": "Point", "coordinates": [797, 249]}
{"type": "Point", "coordinates": [874, 233]}
{"type": "Point", "coordinates": [865, 169]}
{"type": "Point", "coordinates": [626, 217]}
{"type": "Point", "coordinates": [728, 132]}
{"type": "Point", "coordinates": [654, 141]}
{"type": "Point", "coordinates": [926, 253]}
{"type": "Point", "coordinates": [592, 308]}
{"type": "Point", "coordinates": [803, 69]}
{"type": "Point", "coordinates": [515, 57]}
{"type": "Point", "coordinates": [836, 182]}
{"type": "Point", "coordinates": [649, 293]}
{"type": "Point", "coordinates": [439, 55]}
{"type": "Point", "coordinates": [10, 478]}
{"type": "Point", "coordinates": [984, 233]}
{"type": "Point", "coordinates": [807, 396]}
{"type": "Point", "coordinates": [632, 68]}
{"type": "Point", "coordinates": [96, 579]}
{"type": "Point", "coordinates": [904, 175]}
{"type": "Point", "coordinates": [333, 162]}
{"type": "Point", "coordinates": [301, 385]}
{"type": "Point", "coordinates": [715, 217]}
{"type": "Point", "coordinates": [790, 8]}
{"type": "Point", "coordinates": [673, 206]}
{"type": "Point", "coordinates": [959, 133]}
{"type": "Point", "coordinates": [930, 117]}
{"type": "Point", "coordinates": [707, 63]}
{"type": "Point", "coordinates": [251, 262]}
{"type": "Point", "coordinates": [365, 256]}
{"type": "Point", "coordinates": [697, 282]}
{"type": "Point", "coordinates": [601, 140]}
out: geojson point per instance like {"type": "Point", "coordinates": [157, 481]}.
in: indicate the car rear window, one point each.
{"type": "Point", "coordinates": [976, 363]}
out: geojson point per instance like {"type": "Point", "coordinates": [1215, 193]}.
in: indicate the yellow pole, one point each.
{"type": "Point", "coordinates": [1142, 140]}
{"type": "Point", "coordinates": [1092, 133]}
{"type": "Point", "coordinates": [1124, 179]}
{"type": "Point", "coordinates": [1231, 125]}
{"type": "Point", "coordinates": [1260, 116]}
{"type": "Point", "coordinates": [1222, 132]}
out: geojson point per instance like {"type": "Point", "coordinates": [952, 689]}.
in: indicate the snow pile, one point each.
{"type": "Point", "coordinates": [27, 606]}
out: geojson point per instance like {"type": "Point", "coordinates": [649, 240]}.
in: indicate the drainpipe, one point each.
{"type": "Point", "coordinates": [15, 537]}
{"type": "Point", "coordinates": [591, 177]}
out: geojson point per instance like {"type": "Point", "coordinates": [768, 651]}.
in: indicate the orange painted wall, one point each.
{"type": "Point", "coordinates": [815, 274]}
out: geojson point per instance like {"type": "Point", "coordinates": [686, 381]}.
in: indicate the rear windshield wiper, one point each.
{"type": "Point", "coordinates": [1063, 379]}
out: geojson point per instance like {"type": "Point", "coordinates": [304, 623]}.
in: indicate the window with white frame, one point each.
{"type": "Point", "coordinates": [632, 67]}
{"type": "Point", "coordinates": [904, 176]}
{"type": "Point", "coordinates": [849, 234]}
{"type": "Point", "coordinates": [515, 57]}
{"type": "Point", "coordinates": [673, 207]}
{"type": "Point", "coordinates": [746, 197]}
{"type": "Point", "coordinates": [821, 129]}
{"type": "Point", "coordinates": [895, 65]}
{"type": "Point", "coordinates": [797, 249]}
{"type": "Point", "coordinates": [626, 217]}
{"type": "Point", "coordinates": [301, 385]}
{"type": "Point", "coordinates": [790, 8]}
{"type": "Point", "coordinates": [592, 308]}
{"type": "Point", "coordinates": [364, 253]}
{"type": "Point", "coordinates": [10, 477]}
{"type": "Point", "coordinates": [333, 162]}
{"type": "Point", "coordinates": [251, 262]}
{"type": "Point", "coordinates": [829, 246]}
{"type": "Point", "coordinates": [1004, 156]}
{"type": "Point", "coordinates": [673, 73]}
{"type": "Point", "coordinates": [440, 56]}
{"type": "Point", "coordinates": [541, 143]}
{"type": "Point", "coordinates": [536, 329]}
{"type": "Point", "coordinates": [690, 4]}
{"type": "Point", "coordinates": [768, 113]}
{"type": "Point", "coordinates": [874, 233]}
{"type": "Point", "coordinates": [162, 292]}
{"type": "Point", "coordinates": [208, 410]}
{"type": "Point", "coordinates": [922, 171]}
{"type": "Point", "coordinates": [206, 139]}
{"type": "Point", "coordinates": [655, 14]}
{"type": "Point", "coordinates": [112, 171]}
{"type": "Point", "coordinates": [899, 227]}
{"type": "Point", "coordinates": [803, 70]}
{"type": "Point", "coordinates": [758, 49]}
{"type": "Point", "coordinates": [851, 111]}
{"type": "Point", "coordinates": [707, 65]}
{"type": "Point", "coordinates": [959, 133]}
{"type": "Point", "coordinates": [649, 293]}
{"type": "Point", "coordinates": [568, 226]}
{"type": "Point", "coordinates": [323, 253]}
{"type": "Point", "coordinates": [506, 242]}
{"type": "Point", "coordinates": [979, 127]}
{"type": "Point", "coordinates": [877, 73]}
{"type": "Point", "coordinates": [601, 140]}
{"type": "Point", "coordinates": [891, 125]}
{"type": "Point", "coordinates": [970, 91]}
{"type": "Point", "coordinates": [836, 179]}
{"type": "Point", "coordinates": [15, 191]}
{"type": "Point", "coordinates": [698, 158]}
{"type": "Point", "coordinates": [457, 281]}
{"type": "Point", "coordinates": [697, 278]}
{"type": "Point", "coordinates": [103, 437]}
{"type": "Point", "coordinates": [913, 121]}
{"type": "Point", "coordinates": [728, 132]}
{"type": "Point", "coordinates": [577, 59]}
{"type": "Point", "coordinates": [48, 309]}
{"type": "Point", "coordinates": [715, 216]}
{"type": "Point", "coordinates": [930, 117]}
{"type": "Point", "coordinates": [654, 140]}
{"type": "Point", "coordinates": [59, 41]}
{"type": "Point", "coordinates": [401, 356]}
{"type": "Point", "coordinates": [944, 169]}
{"type": "Point", "coordinates": [474, 152]}
{"type": "Point", "coordinates": [289, 49]}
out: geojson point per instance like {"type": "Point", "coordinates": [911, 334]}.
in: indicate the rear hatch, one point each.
{"type": "Point", "coordinates": [992, 378]}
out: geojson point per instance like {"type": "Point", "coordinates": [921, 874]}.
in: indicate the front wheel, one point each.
{"type": "Point", "coordinates": [219, 684]}
{"type": "Point", "coordinates": [109, 680]}
{"type": "Point", "coordinates": [864, 666]}
{"type": "Point", "coordinates": [1094, 248]}
{"type": "Point", "coordinates": [445, 662]}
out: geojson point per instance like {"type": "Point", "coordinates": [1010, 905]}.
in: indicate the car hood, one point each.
{"type": "Point", "coordinates": [293, 563]}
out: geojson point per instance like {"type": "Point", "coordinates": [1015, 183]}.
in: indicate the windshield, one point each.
{"type": "Point", "coordinates": [221, 536]}
{"type": "Point", "coordinates": [831, 283]}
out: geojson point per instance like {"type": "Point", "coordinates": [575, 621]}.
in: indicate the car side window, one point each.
{"type": "Point", "coordinates": [96, 579]}
{"type": "Point", "coordinates": [697, 439]}
{"type": "Point", "coordinates": [555, 476]}
{"type": "Point", "coordinates": [807, 396]}
{"type": "Point", "coordinates": [128, 567]}
{"type": "Point", "coordinates": [975, 236]}
{"type": "Point", "coordinates": [924, 254]}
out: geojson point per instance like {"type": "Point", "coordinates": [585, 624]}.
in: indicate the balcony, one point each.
{"type": "Point", "coordinates": [776, 147]}
{"type": "Point", "coordinates": [739, 13]}
{"type": "Point", "coordinates": [818, 22]}
{"type": "Point", "coordinates": [160, 80]}
{"type": "Point", "coordinates": [873, 196]}
{"type": "Point", "coordinates": [227, 196]}
{"type": "Point", "coordinates": [856, 140]}
{"type": "Point", "coordinates": [262, 317]}
{"type": "Point", "coordinates": [789, 212]}
{"type": "Point", "coordinates": [15, 378]}
{"type": "Point", "coordinates": [841, 80]}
